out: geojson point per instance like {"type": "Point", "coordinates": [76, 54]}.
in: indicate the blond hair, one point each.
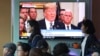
{"type": "Point", "coordinates": [51, 5]}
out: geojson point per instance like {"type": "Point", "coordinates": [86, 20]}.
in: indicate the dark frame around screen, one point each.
{"type": "Point", "coordinates": [66, 1]}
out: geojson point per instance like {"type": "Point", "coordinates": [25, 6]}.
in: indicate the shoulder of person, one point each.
{"type": "Point", "coordinates": [92, 36]}
{"type": "Point", "coordinates": [37, 35]}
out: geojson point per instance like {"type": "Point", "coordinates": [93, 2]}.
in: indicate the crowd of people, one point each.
{"type": "Point", "coordinates": [41, 49]}
{"type": "Point", "coordinates": [38, 46]}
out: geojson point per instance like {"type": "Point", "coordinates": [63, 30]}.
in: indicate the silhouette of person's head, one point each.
{"type": "Point", "coordinates": [23, 49]}
{"type": "Point", "coordinates": [35, 52]}
{"type": "Point", "coordinates": [9, 49]}
{"type": "Point", "coordinates": [60, 49]}
{"type": "Point", "coordinates": [87, 27]}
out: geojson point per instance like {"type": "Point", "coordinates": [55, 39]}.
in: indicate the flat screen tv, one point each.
{"type": "Point", "coordinates": [78, 14]}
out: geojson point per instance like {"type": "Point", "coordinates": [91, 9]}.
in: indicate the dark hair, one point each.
{"type": "Point", "coordinates": [45, 6]}
{"type": "Point", "coordinates": [35, 52]}
{"type": "Point", "coordinates": [35, 25]}
{"type": "Point", "coordinates": [60, 49]}
{"type": "Point", "coordinates": [42, 44]}
{"type": "Point", "coordinates": [25, 46]}
{"type": "Point", "coordinates": [90, 27]}
{"type": "Point", "coordinates": [31, 8]}
{"type": "Point", "coordinates": [10, 46]}
{"type": "Point", "coordinates": [20, 7]}
{"type": "Point", "coordinates": [62, 9]}
{"type": "Point", "coordinates": [36, 30]}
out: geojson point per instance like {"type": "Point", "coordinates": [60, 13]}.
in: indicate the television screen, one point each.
{"type": "Point", "coordinates": [65, 17]}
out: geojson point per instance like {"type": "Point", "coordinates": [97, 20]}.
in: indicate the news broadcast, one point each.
{"type": "Point", "coordinates": [56, 19]}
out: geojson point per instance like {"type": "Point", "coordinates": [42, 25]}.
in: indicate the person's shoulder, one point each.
{"type": "Point", "coordinates": [59, 25]}
{"type": "Point", "coordinates": [38, 35]}
{"type": "Point", "coordinates": [41, 22]}
{"type": "Point", "coordinates": [59, 22]}
{"type": "Point", "coordinates": [73, 26]}
{"type": "Point", "coordinates": [92, 36]}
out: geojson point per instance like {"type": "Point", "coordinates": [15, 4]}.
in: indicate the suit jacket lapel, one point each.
{"type": "Point", "coordinates": [44, 26]}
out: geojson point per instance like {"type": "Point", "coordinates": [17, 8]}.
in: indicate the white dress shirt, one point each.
{"type": "Point", "coordinates": [66, 27]}
{"type": "Point", "coordinates": [27, 25]}
{"type": "Point", "coordinates": [83, 44]}
{"type": "Point", "coordinates": [48, 24]}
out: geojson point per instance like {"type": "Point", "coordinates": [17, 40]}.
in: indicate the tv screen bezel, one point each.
{"type": "Point", "coordinates": [50, 1]}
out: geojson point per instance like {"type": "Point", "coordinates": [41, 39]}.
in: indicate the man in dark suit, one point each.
{"type": "Point", "coordinates": [49, 21]}
{"type": "Point", "coordinates": [67, 18]}
{"type": "Point", "coordinates": [57, 25]}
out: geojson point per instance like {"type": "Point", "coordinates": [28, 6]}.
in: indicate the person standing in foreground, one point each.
{"type": "Point", "coordinates": [89, 41]}
{"type": "Point", "coordinates": [35, 31]}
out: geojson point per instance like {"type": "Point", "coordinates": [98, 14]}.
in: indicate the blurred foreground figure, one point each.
{"type": "Point", "coordinates": [9, 49]}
